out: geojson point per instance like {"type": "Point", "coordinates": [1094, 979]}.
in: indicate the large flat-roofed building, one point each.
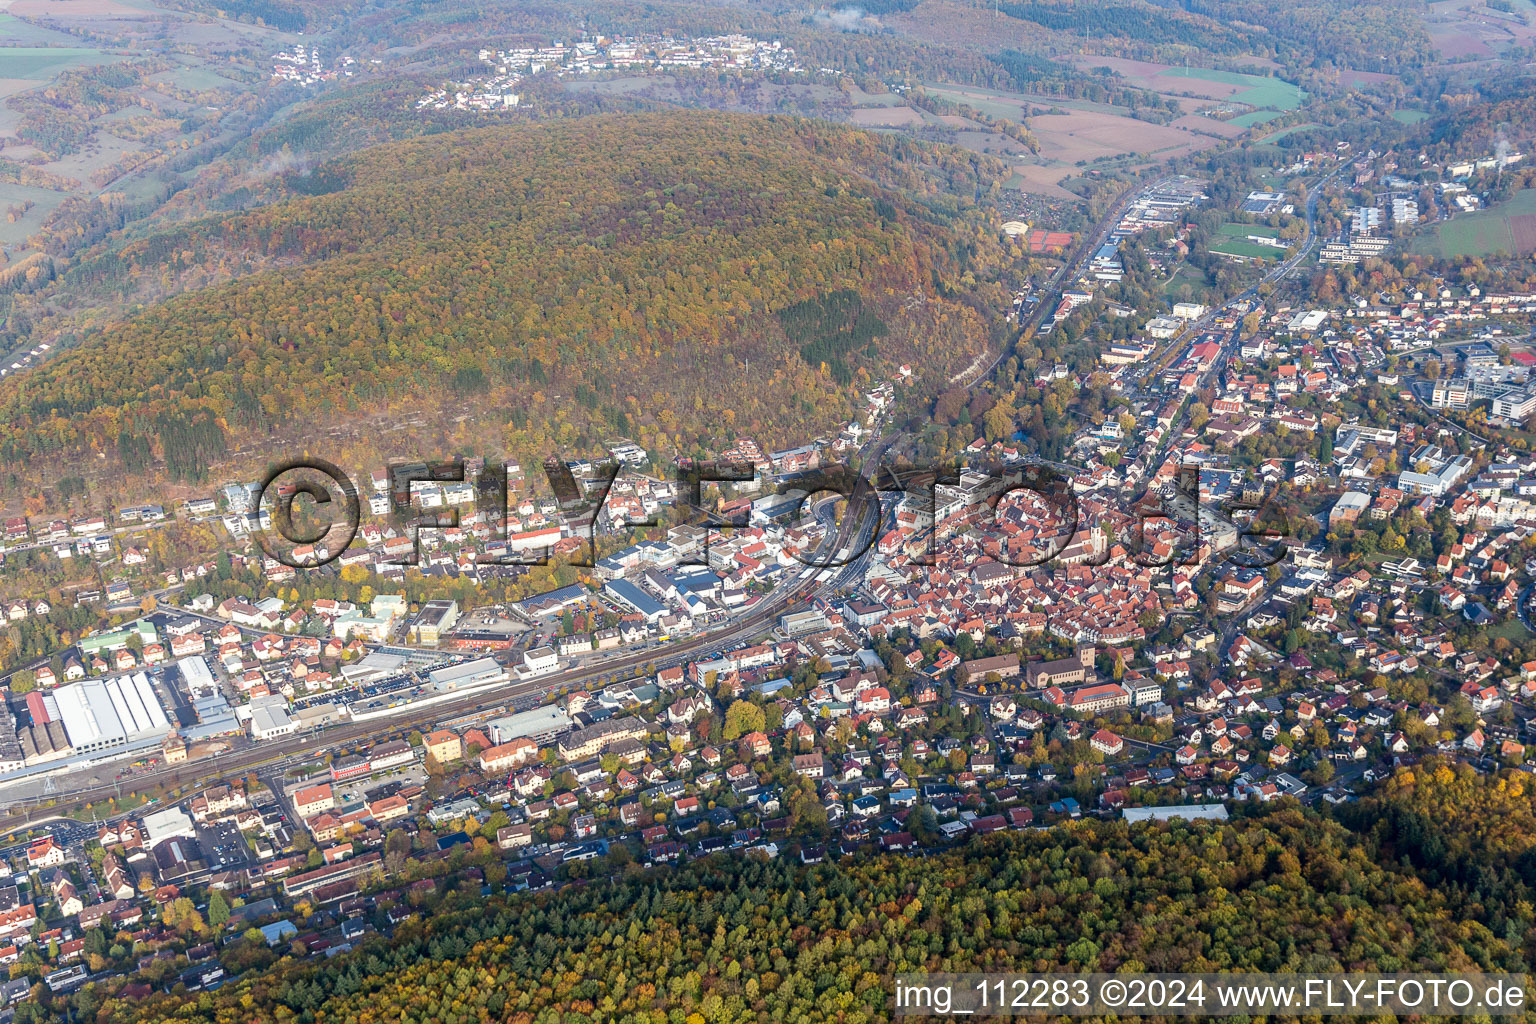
{"type": "Point", "coordinates": [552, 603]}
{"type": "Point", "coordinates": [167, 823]}
{"type": "Point", "coordinates": [375, 665]}
{"type": "Point", "coordinates": [800, 623]}
{"type": "Point", "coordinates": [196, 674]}
{"type": "Point", "coordinates": [1350, 506]}
{"type": "Point", "coordinates": [1144, 692]}
{"type": "Point", "coordinates": [116, 640]}
{"type": "Point", "coordinates": [631, 596]}
{"type": "Point", "coordinates": [1451, 394]}
{"type": "Point", "coordinates": [1439, 480]}
{"type": "Point", "coordinates": [1514, 407]}
{"type": "Point", "coordinates": [434, 621]}
{"type": "Point", "coordinates": [101, 715]}
{"type": "Point", "coordinates": [541, 725]}
{"type": "Point", "coordinates": [470, 673]}
{"type": "Point", "coordinates": [270, 719]}
{"type": "Point", "coordinates": [1210, 812]}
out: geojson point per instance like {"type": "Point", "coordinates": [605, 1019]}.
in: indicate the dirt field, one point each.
{"type": "Point", "coordinates": [1085, 131]}
{"type": "Point", "coordinates": [1084, 135]}
{"type": "Point", "coordinates": [1042, 181]}
{"type": "Point", "coordinates": [1454, 43]}
{"type": "Point", "coordinates": [1191, 104]}
{"type": "Point", "coordinates": [1522, 229]}
{"type": "Point", "coordinates": [1466, 28]}
{"type": "Point", "coordinates": [1359, 78]}
{"type": "Point", "coordinates": [886, 117]}
{"type": "Point", "coordinates": [1140, 73]}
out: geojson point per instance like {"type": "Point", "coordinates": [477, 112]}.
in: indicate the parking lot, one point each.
{"type": "Point", "coordinates": [375, 787]}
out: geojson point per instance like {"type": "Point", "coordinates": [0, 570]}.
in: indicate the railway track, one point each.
{"type": "Point", "coordinates": [491, 700]}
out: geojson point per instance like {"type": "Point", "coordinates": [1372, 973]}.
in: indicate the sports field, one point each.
{"type": "Point", "coordinates": [1509, 227]}
{"type": "Point", "coordinates": [1243, 247]}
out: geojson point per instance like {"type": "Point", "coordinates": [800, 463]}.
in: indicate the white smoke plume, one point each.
{"type": "Point", "coordinates": [844, 19]}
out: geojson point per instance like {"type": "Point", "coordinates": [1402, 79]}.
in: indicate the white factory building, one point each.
{"type": "Point", "coordinates": [111, 714]}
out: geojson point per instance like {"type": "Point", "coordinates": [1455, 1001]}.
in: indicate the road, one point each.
{"type": "Point", "coordinates": [301, 748]}
{"type": "Point", "coordinates": [855, 525]}
{"type": "Point", "coordinates": [1229, 346]}
{"type": "Point", "coordinates": [1077, 262]}
{"type": "Point", "coordinates": [246, 758]}
{"type": "Point", "coordinates": [1450, 424]}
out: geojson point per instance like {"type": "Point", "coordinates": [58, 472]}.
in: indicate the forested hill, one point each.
{"type": "Point", "coordinates": [553, 284]}
{"type": "Point", "coordinates": [736, 939]}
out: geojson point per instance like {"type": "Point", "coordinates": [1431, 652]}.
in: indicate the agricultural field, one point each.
{"type": "Point", "coordinates": [888, 117]}
{"type": "Point", "coordinates": [76, 120]}
{"type": "Point", "coordinates": [1255, 90]}
{"type": "Point", "coordinates": [1012, 106]}
{"type": "Point", "coordinates": [1201, 90]}
{"type": "Point", "coordinates": [1469, 30]}
{"type": "Point", "coordinates": [1088, 135]}
{"type": "Point", "coordinates": [1508, 227]}
{"type": "Point", "coordinates": [1275, 137]}
{"type": "Point", "coordinates": [16, 227]}
{"type": "Point", "coordinates": [1254, 117]}
{"type": "Point", "coordinates": [859, 98]}
{"type": "Point", "coordinates": [1210, 126]}
{"type": "Point", "coordinates": [197, 79]}
{"type": "Point", "coordinates": [1080, 133]}
{"type": "Point", "coordinates": [16, 32]}
{"type": "Point", "coordinates": [40, 63]}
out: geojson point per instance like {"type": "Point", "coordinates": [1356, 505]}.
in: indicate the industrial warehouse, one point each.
{"type": "Point", "coordinates": [92, 717]}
